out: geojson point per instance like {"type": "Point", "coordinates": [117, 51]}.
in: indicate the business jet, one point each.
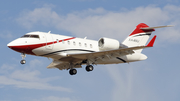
{"type": "Point", "coordinates": [69, 53]}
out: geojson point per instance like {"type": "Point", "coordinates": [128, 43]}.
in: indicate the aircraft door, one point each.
{"type": "Point", "coordinates": [49, 41]}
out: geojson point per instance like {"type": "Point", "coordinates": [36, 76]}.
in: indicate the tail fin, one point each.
{"type": "Point", "coordinates": [139, 36]}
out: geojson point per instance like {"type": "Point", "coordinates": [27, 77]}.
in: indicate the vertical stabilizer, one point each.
{"type": "Point", "coordinates": [138, 37]}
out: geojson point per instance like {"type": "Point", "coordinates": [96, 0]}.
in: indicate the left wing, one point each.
{"type": "Point", "coordinates": [61, 65]}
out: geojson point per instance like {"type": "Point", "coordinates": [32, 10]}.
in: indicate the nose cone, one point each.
{"type": "Point", "coordinates": [12, 45]}
{"type": "Point", "coordinates": [18, 46]}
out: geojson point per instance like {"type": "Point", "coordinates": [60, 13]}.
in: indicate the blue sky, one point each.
{"type": "Point", "coordinates": [155, 79]}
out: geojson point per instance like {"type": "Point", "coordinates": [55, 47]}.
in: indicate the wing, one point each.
{"type": "Point", "coordinates": [110, 53]}
{"type": "Point", "coordinates": [61, 65]}
{"type": "Point", "coordinates": [58, 64]}
{"type": "Point", "coordinates": [77, 59]}
{"type": "Point", "coordinates": [120, 52]}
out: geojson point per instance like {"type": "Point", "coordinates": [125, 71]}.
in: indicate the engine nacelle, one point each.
{"type": "Point", "coordinates": [108, 44]}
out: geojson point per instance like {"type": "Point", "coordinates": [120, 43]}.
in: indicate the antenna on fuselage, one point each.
{"type": "Point", "coordinates": [49, 32]}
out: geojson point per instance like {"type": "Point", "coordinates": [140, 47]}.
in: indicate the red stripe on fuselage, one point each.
{"type": "Point", "coordinates": [27, 49]}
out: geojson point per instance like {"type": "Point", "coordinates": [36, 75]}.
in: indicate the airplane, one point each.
{"type": "Point", "coordinates": [69, 53]}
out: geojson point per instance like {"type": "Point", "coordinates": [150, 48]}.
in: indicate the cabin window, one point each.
{"type": "Point", "coordinates": [74, 43]}
{"type": "Point", "coordinates": [57, 40]}
{"type": "Point", "coordinates": [79, 43]}
{"type": "Point", "coordinates": [85, 45]}
{"type": "Point", "coordinates": [91, 46]}
{"type": "Point", "coordinates": [63, 41]}
{"type": "Point", "coordinates": [69, 42]}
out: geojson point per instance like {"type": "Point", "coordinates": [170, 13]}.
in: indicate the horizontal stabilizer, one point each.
{"type": "Point", "coordinates": [148, 28]}
{"type": "Point", "coordinates": [151, 43]}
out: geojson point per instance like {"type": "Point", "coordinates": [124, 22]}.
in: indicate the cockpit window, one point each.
{"type": "Point", "coordinates": [34, 36]}
{"type": "Point", "coordinates": [30, 36]}
{"type": "Point", "coordinates": [25, 36]}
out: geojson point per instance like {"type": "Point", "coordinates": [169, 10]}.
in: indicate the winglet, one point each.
{"type": "Point", "coordinates": [151, 43]}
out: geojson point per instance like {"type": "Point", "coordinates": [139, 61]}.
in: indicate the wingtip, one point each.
{"type": "Point", "coordinates": [151, 43]}
{"type": "Point", "coordinates": [168, 26]}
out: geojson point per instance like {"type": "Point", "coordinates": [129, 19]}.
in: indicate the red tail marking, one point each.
{"type": "Point", "coordinates": [151, 43]}
{"type": "Point", "coordinates": [138, 30]}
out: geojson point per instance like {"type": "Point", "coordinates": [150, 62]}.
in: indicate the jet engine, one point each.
{"type": "Point", "coordinates": [108, 44]}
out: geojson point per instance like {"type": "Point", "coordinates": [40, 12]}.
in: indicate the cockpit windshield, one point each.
{"type": "Point", "coordinates": [30, 36]}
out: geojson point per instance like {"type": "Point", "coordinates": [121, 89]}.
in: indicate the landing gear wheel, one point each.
{"type": "Point", "coordinates": [89, 68]}
{"type": "Point", "coordinates": [72, 71]}
{"type": "Point", "coordinates": [23, 61]}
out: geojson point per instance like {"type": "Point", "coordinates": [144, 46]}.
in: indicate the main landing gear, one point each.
{"type": "Point", "coordinates": [23, 61]}
{"type": "Point", "coordinates": [89, 68]}
{"type": "Point", "coordinates": [74, 71]}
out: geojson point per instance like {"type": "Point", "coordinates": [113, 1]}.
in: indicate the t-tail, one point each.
{"type": "Point", "coordinates": [140, 36]}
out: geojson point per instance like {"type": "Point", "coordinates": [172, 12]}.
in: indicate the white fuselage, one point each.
{"type": "Point", "coordinates": [58, 46]}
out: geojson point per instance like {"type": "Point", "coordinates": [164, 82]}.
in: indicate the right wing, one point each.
{"type": "Point", "coordinates": [121, 51]}
{"type": "Point", "coordinates": [64, 63]}
{"type": "Point", "coordinates": [76, 59]}
{"type": "Point", "coordinates": [109, 53]}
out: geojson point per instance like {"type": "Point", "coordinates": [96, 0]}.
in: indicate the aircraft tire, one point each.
{"type": "Point", "coordinates": [72, 71]}
{"type": "Point", "coordinates": [89, 68]}
{"type": "Point", "coordinates": [23, 61]}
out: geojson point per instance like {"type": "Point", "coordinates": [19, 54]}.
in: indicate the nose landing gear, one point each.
{"type": "Point", "coordinates": [23, 61]}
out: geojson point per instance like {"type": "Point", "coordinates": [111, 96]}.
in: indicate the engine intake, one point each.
{"type": "Point", "coordinates": [108, 44]}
